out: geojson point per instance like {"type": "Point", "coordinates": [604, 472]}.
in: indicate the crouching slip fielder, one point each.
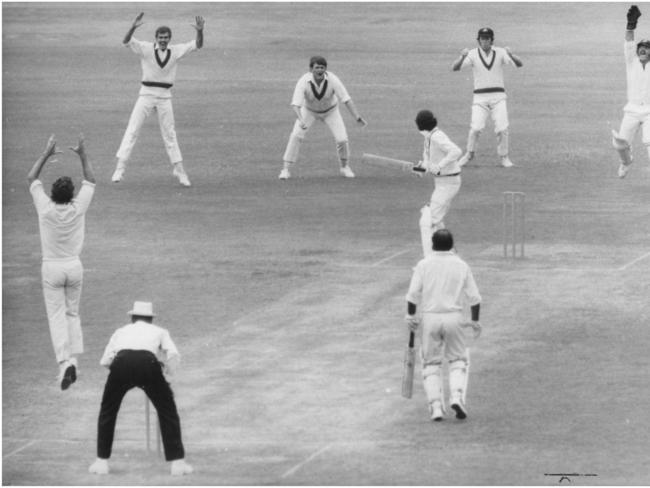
{"type": "Point", "coordinates": [637, 109]}
{"type": "Point", "coordinates": [441, 283]}
{"type": "Point", "coordinates": [316, 97]}
{"type": "Point", "coordinates": [132, 356]}
{"type": "Point", "coordinates": [440, 157]}
{"type": "Point", "coordinates": [489, 93]}
{"type": "Point", "coordinates": [159, 62]}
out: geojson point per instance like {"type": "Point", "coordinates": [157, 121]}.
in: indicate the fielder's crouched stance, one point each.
{"type": "Point", "coordinates": [441, 283]}
{"type": "Point", "coordinates": [132, 357]}
{"type": "Point", "coordinates": [440, 157]}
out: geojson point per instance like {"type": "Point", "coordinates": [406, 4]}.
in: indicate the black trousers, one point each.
{"type": "Point", "coordinates": [140, 369]}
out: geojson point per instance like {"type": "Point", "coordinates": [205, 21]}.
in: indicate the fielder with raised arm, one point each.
{"type": "Point", "coordinates": [636, 112]}
{"type": "Point", "coordinates": [159, 61]}
{"type": "Point", "coordinates": [440, 158]}
{"type": "Point", "coordinates": [441, 283]}
{"type": "Point", "coordinates": [487, 64]}
{"type": "Point", "coordinates": [316, 97]}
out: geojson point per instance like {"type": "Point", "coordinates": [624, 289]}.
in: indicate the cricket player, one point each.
{"type": "Point", "coordinates": [487, 62]}
{"type": "Point", "coordinates": [441, 283]}
{"type": "Point", "coordinates": [440, 158]}
{"type": "Point", "coordinates": [316, 97]}
{"type": "Point", "coordinates": [141, 355]}
{"type": "Point", "coordinates": [62, 224]}
{"type": "Point", "coordinates": [159, 61]}
{"type": "Point", "coordinates": [636, 112]}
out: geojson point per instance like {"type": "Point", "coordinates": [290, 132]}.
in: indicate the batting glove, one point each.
{"type": "Point", "coordinates": [412, 322]}
{"type": "Point", "coordinates": [633, 15]}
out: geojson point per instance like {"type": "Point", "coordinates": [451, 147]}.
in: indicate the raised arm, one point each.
{"type": "Point", "coordinates": [459, 62]}
{"type": "Point", "coordinates": [86, 167]}
{"type": "Point", "coordinates": [633, 15]}
{"type": "Point", "coordinates": [199, 31]}
{"type": "Point", "coordinates": [515, 59]}
{"type": "Point", "coordinates": [136, 23]}
{"type": "Point", "coordinates": [50, 150]}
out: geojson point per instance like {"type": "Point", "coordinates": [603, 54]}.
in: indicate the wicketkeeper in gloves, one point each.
{"type": "Point", "coordinates": [141, 355]}
{"type": "Point", "coordinates": [440, 158]}
{"type": "Point", "coordinates": [636, 112]}
{"type": "Point", "coordinates": [441, 283]}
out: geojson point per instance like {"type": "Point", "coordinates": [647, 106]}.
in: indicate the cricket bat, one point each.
{"type": "Point", "coordinates": [409, 366]}
{"type": "Point", "coordinates": [384, 162]}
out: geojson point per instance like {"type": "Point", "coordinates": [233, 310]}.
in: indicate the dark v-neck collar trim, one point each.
{"type": "Point", "coordinates": [318, 94]}
{"type": "Point", "coordinates": [494, 56]}
{"type": "Point", "coordinates": [161, 62]}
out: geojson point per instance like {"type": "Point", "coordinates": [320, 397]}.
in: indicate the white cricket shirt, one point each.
{"type": "Point", "coordinates": [139, 336]}
{"type": "Point", "coordinates": [487, 69]}
{"type": "Point", "coordinates": [441, 151]}
{"type": "Point", "coordinates": [62, 226]}
{"type": "Point", "coordinates": [158, 66]}
{"type": "Point", "coordinates": [319, 98]}
{"type": "Point", "coordinates": [638, 78]}
{"type": "Point", "coordinates": [442, 283]}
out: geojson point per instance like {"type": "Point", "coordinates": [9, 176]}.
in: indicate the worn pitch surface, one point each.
{"type": "Point", "coordinates": [286, 299]}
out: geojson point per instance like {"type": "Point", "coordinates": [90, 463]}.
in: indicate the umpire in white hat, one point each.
{"type": "Point", "coordinates": [136, 355]}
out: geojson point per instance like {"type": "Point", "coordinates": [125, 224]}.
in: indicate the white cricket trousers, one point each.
{"type": "Point", "coordinates": [635, 116]}
{"type": "Point", "coordinates": [331, 118]}
{"type": "Point", "coordinates": [62, 282]}
{"type": "Point", "coordinates": [442, 338]}
{"type": "Point", "coordinates": [144, 106]}
{"type": "Point", "coordinates": [431, 216]}
{"type": "Point", "coordinates": [492, 105]}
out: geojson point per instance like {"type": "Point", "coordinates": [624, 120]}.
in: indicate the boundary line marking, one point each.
{"type": "Point", "coordinates": [293, 470]}
{"type": "Point", "coordinates": [634, 261]}
{"type": "Point", "coordinates": [16, 451]}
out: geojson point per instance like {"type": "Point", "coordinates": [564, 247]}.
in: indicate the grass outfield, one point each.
{"type": "Point", "coordinates": [286, 299]}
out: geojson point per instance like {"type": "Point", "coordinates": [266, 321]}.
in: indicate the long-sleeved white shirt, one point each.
{"type": "Point", "coordinates": [140, 336]}
{"type": "Point", "coordinates": [440, 151]}
{"type": "Point", "coordinates": [442, 283]}
{"type": "Point", "coordinates": [638, 77]}
{"type": "Point", "coordinates": [319, 98]}
{"type": "Point", "coordinates": [62, 226]}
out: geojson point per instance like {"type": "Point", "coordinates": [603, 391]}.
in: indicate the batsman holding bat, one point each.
{"type": "Point", "coordinates": [440, 157]}
{"type": "Point", "coordinates": [441, 283]}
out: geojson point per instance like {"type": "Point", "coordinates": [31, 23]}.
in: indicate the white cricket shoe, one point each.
{"type": "Point", "coordinates": [118, 175]}
{"type": "Point", "coordinates": [623, 169]}
{"type": "Point", "coordinates": [436, 411]}
{"type": "Point", "coordinates": [100, 466]}
{"type": "Point", "coordinates": [346, 171]}
{"type": "Point", "coordinates": [179, 173]}
{"type": "Point", "coordinates": [180, 467]}
{"type": "Point", "coordinates": [458, 406]}
{"type": "Point", "coordinates": [284, 174]}
{"type": "Point", "coordinates": [467, 157]}
{"type": "Point", "coordinates": [506, 163]}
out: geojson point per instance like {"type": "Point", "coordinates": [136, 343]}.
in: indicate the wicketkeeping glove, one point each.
{"type": "Point", "coordinates": [412, 322]}
{"type": "Point", "coordinates": [633, 15]}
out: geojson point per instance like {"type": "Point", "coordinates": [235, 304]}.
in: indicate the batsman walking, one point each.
{"type": "Point", "coordinates": [440, 285]}
{"type": "Point", "coordinates": [159, 61]}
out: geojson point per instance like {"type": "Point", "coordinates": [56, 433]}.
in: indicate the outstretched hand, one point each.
{"type": "Point", "coordinates": [50, 149]}
{"type": "Point", "coordinates": [200, 22]}
{"type": "Point", "coordinates": [138, 20]}
{"type": "Point", "coordinates": [79, 148]}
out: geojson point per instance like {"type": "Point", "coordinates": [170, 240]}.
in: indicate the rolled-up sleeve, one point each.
{"type": "Point", "coordinates": [414, 294]}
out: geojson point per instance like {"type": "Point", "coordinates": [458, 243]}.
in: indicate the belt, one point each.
{"type": "Point", "coordinates": [158, 84]}
{"type": "Point", "coordinates": [490, 90]}
{"type": "Point", "coordinates": [323, 111]}
{"type": "Point", "coordinates": [444, 176]}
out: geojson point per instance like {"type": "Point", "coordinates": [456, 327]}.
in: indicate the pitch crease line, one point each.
{"type": "Point", "coordinates": [634, 261]}
{"type": "Point", "coordinates": [392, 256]}
{"type": "Point", "coordinates": [309, 459]}
{"type": "Point", "coordinates": [16, 451]}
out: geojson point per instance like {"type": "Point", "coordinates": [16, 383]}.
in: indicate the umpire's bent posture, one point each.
{"type": "Point", "coordinates": [132, 358]}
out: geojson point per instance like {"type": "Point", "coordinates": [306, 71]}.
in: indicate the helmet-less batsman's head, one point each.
{"type": "Point", "coordinates": [442, 240]}
{"type": "Point", "coordinates": [485, 33]}
{"type": "Point", "coordinates": [62, 190]}
{"type": "Point", "coordinates": [425, 120]}
{"type": "Point", "coordinates": [643, 47]}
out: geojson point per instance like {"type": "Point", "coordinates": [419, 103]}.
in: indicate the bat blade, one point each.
{"type": "Point", "coordinates": [409, 367]}
{"type": "Point", "coordinates": [384, 162]}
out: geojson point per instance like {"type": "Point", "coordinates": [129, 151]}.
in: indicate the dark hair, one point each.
{"type": "Point", "coordinates": [62, 190]}
{"type": "Point", "coordinates": [425, 120]}
{"type": "Point", "coordinates": [442, 240]}
{"type": "Point", "coordinates": [164, 29]}
{"type": "Point", "coordinates": [317, 60]}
